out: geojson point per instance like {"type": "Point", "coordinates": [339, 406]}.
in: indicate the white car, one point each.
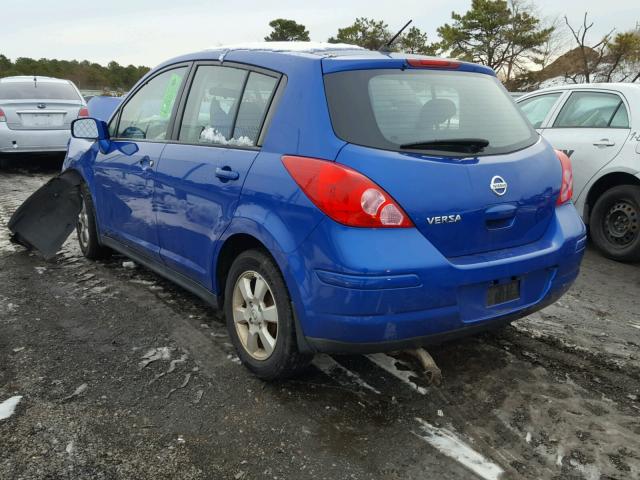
{"type": "Point", "coordinates": [598, 127]}
{"type": "Point", "coordinates": [36, 113]}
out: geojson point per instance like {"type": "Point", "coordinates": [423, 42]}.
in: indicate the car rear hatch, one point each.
{"type": "Point", "coordinates": [45, 106]}
{"type": "Point", "coordinates": [464, 202]}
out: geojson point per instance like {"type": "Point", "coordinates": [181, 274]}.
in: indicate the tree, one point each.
{"type": "Point", "coordinates": [5, 66]}
{"type": "Point", "coordinates": [590, 56]}
{"type": "Point", "coordinates": [415, 41]}
{"type": "Point", "coordinates": [624, 49]}
{"type": "Point", "coordinates": [553, 47]}
{"type": "Point", "coordinates": [285, 30]}
{"type": "Point", "coordinates": [494, 33]}
{"type": "Point", "coordinates": [84, 74]}
{"type": "Point", "coordinates": [527, 38]}
{"type": "Point", "coordinates": [365, 32]}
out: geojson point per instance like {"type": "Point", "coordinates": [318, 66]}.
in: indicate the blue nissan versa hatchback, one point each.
{"type": "Point", "coordinates": [330, 198]}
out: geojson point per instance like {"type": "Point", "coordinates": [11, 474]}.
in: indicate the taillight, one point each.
{"type": "Point", "coordinates": [83, 112]}
{"type": "Point", "coordinates": [432, 63]}
{"type": "Point", "coordinates": [346, 196]}
{"type": "Point", "coordinates": [566, 188]}
{"type": "Point", "coordinates": [3, 118]}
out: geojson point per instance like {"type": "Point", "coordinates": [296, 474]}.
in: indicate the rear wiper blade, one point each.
{"type": "Point", "coordinates": [464, 145]}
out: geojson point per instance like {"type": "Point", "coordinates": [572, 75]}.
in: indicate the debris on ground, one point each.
{"type": "Point", "coordinates": [187, 377]}
{"type": "Point", "coordinates": [77, 392]}
{"type": "Point", "coordinates": [154, 354]}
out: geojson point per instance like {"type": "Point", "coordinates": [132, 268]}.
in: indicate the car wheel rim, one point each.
{"type": "Point", "coordinates": [255, 315]}
{"type": "Point", "coordinates": [622, 223]}
{"type": "Point", "coordinates": [83, 226]}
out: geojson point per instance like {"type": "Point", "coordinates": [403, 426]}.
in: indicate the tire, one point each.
{"type": "Point", "coordinates": [260, 318]}
{"type": "Point", "coordinates": [615, 223]}
{"type": "Point", "coordinates": [86, 229]}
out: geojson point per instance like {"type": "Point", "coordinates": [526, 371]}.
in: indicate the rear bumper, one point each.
{"type": "Point", "coordinates": [362, 290]}
{"type": "Point", "coordinates": [19, 141]}
{"type": "Point", "coordinates": [335, 346]}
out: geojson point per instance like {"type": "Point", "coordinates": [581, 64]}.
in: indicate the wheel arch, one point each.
{"type": "Point", "coordinates": [245, 234]}
{"type": "Point", "coordinates": [232, 247]}
{"type": "Point", "coordinates": [603, 184]}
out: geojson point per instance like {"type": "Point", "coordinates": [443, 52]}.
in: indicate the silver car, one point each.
{"type": "Point", "coordinates": [598, 127]}
{"type": "Point", "coordinates": [36, 113]}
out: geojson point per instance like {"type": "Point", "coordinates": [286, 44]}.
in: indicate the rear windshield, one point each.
{"type": "Point", "coordinates": [389, 108]}
{"type": "Point", "coordinates": [37, 90]}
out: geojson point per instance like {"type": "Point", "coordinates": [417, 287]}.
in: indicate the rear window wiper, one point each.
{"type": "Point", "coordinates": [464, 145]}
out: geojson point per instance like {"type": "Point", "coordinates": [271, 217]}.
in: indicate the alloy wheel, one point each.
{"type": "Point", "coordinates": [255, 315]}
{"type": "Point", "coordinates": [83, 227]}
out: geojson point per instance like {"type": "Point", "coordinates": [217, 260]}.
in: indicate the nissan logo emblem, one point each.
{"type": "Point", "coordinates": [498, 185]}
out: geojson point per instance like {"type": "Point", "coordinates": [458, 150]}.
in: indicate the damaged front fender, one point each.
{"type": "Point", "coordinates": [47, 218]}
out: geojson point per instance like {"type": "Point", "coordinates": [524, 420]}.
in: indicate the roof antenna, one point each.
{"type": "Point", "coordinates": [386, 48]}
{"type": "Point", "coordinates": [35, 81]}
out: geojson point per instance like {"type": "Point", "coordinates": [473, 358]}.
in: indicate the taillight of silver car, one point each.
{"type": "Point", "coordinates": [566, 188]}
{"type": "Point", "coordinates": [3, 117]}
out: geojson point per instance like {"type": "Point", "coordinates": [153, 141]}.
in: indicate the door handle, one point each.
{"type": "Point", "coordinates": [146, 163]}
{"type": "Point", "coordinates": [605, 142]}
{"type": "Point", "coordinates": [225, 174]}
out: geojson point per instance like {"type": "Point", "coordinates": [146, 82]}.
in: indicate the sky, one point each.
{"type": "Point", "coordinates": [147, 32]}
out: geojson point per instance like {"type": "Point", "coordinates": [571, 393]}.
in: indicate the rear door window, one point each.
{"type": "Point", "coordinates": [255, 101]}
{"type": "Point", "coordinates": [38, 90]}
{"type": "Point", "coordinates": [537, 108]}
{"type": "Point", "coordinates": [147, 114]}
{"type": "Point", "coordinates": [592, 110]}
{"type": "Point", "coordinates": [620, 118]}
{"type": "Point", "coordinates": [391, 109]}
{"type": "Point", "coordinates": [226, 106]}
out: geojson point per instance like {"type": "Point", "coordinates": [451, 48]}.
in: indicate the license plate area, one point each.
{"type": "Point", "coordinates": [42, 119]}
{"type": "Point", "coordinates": [503, 292]}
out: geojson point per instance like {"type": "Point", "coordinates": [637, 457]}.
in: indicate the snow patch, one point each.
{"type": "Point", "coordinates": [389, 364]}
{"type": "Point", "coordinates": [448, 443]}
{"type": "Point", "coordinates": [212, 135]}
{"type": "Point", "coordinates": [288, 46]}
{"type": "Point", "coordinates": [8, 407]}
{"type": "Point", "coordinates": [328, 365]}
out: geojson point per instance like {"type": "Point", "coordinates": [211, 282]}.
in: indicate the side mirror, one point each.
{"type": "Point", "coordinates": [89, 129]}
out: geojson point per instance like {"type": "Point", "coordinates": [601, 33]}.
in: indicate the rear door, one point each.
{"type": "Point", "coordinates": [591, 128]}
{"type": "Point", "coordinates": [201, 172]}
{"type": "Point", "coordinates": [39, 105]}
{"type": "Point", "coordinates": [125, 181]}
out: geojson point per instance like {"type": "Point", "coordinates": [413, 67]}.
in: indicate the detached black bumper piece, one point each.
{"type": "Point", "coordinates": [47, 218]}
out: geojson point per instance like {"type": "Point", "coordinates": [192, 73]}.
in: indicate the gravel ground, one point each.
{"type": "Point", "coordinates": [123, 376]}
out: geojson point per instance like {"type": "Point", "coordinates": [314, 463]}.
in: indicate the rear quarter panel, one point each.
{"type": "Point", "coordinates": [272, 208]}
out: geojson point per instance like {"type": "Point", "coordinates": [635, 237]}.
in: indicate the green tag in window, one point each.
{"type": "Point", "coordinates": [170, 94]}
